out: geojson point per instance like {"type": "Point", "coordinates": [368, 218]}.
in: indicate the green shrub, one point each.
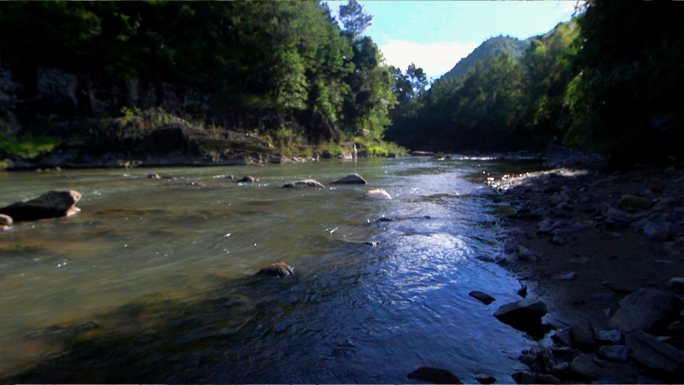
{"type": "Point", "coordinates": [27, 146]}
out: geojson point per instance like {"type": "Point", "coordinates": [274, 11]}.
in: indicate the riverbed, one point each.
{"type": "Point", "coordinates": [153, 280]}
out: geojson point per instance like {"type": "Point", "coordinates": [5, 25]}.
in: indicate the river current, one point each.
{"type": "Point", "coordinates": [153, 280]}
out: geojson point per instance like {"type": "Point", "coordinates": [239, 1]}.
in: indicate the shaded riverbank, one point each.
{"type": "Point", "coordinates": [584, 239]}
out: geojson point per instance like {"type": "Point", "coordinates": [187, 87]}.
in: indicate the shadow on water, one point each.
{"type": "Point", "coordinates": [172, 337]}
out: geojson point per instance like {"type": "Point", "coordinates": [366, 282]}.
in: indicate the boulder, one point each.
{"type": "Point", "coordinates": [248, 179]}
{"type": "Point", "coordinates": [585, 368]}
{"type": "Point", "coordinates": [562, 337]}
{"type": "Point", "coordinates": [377, 194]}
{"type": "Point", "coordinates": [583, 335]}
{"type": "Point", "coordinates": [675, 285]}
{"type": "Point", "coordinates": [522, 314]}
{"type": "Point", "coordinates": [633, 202]}
{"type": "Point", "coordinates": [646, 309]}
{"type": "Point", "coordinates": [52, 204]}
{"type": "Point", "coordinates": [278, 269]}
{"type": "Point", "coordinates": [303, 183]}
{"type": "Point", "coordinates": [434, 375]}
{"type": "Point", "coordinates": [658, 231]}
{"type": "Point", "coordinates": [614, 352]}
{"type": "Point", "coordinates": [482, 297]}
{"type": "Point", "coordinates": [654, 353]}
{"type": "Point", "coordinates": [351, 179]}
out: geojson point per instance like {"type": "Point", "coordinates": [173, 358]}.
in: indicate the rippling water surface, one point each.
{"type": "Point", "coordinates": [152, 280]}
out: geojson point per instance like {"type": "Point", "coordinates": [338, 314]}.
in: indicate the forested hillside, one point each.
{"type": "Point", "coordinates": [491, 47]}
{"type": "Point", "coordinates": [608, 81]}
{"type": "Point", "coordinates": [267, 58]}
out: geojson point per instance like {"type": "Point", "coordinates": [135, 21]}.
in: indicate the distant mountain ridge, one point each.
{"type": "Point", "coordinates": [491, 47]}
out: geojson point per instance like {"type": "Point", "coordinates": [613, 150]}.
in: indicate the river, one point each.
{"type": "Point", "coordinates": [152, 280]}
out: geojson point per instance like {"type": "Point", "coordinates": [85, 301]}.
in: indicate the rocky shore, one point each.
{"type": "Point", "coordinates": [604, 251]}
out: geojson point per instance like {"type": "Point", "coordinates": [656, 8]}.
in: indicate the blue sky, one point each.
{"type": "Point", "coordinates": [435, 35]}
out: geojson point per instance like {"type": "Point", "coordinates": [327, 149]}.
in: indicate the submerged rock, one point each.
{"type": "Point", "coordinates": [153, 176]}
{"type": "Point", "coordinates": [278, 269]}
{"type": "Point", "coordinates": [52, 204]}
{"type": "Point", "coordinates": [351, 179]}
{"type": "Point", "coordinates": [434, 375]}
{"type": "Point", "coordinates": [304, 183]}
{"type": "Point", "coordinates": [658, 231]}
{"type": "Point", "coordinates": [247, 179]}
{"type": "Point", "coordinates": [377, 194]}
{"type": "Point", "coordinates": [482, 297]}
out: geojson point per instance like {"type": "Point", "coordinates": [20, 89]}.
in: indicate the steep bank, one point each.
{"type": "Point", "coordinates": [583, 239]}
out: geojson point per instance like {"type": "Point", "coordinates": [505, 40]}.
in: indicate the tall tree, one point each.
{"type": "Point", "coordinates": [354, 18]}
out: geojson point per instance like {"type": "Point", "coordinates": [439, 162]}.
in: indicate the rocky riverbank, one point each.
{"type": "Point", "coordinates": [604, 251]}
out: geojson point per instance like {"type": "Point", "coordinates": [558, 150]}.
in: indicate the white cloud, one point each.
{"type": "Point", "coordinates": [434, 58]}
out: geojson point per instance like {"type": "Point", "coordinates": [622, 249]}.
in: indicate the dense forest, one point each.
{"type": "Point", "coordinates": [256, 56]}
{"type": "Point", "coordinates": [608, 81]}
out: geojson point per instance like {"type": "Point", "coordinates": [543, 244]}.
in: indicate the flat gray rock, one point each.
{"type": "Point", "coordinates": [351, 179]}
{"type": "Point", "coordinates": [304, 183]}
{"type": "Point", "coordinates": [654, 353]}
{"type": "Point", "coordinates": [646, 309]}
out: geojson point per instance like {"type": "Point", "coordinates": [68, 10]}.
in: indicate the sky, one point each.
{"type": "Point", "coordinates": [435, 35]}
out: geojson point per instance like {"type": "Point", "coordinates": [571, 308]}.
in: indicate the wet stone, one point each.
{"type": "Point", "coordinates": [675, 285]}
{"type": "Point", "coordinates": [482, 297]}
{"type": "Point", "coordinates": [567, 277]}
{"type": "Point", "coordinates": [585, 368]}
{"type": "Point", "coordinates": [279, 269]}
{"type": "Point", "coordinates": [646, 309]}
{"type": "Point", "coordinates": [434, 375]}
{"type": "Point", "coordinates": [604, 296]}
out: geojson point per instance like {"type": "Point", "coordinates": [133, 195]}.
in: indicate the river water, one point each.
{"type": "Point", "coordinates": [153, 280]}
